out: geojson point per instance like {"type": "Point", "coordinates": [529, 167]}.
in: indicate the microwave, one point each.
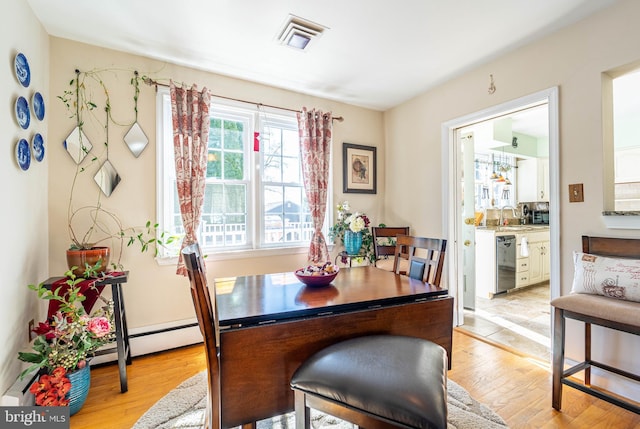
{"type": "Point", "coordinates": [540, 217]}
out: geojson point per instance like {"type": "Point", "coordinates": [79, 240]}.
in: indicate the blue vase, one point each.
{"type": "Point", "coordinates": [80, 382]}
{"type": "Point", "coordinates": [352, 242]}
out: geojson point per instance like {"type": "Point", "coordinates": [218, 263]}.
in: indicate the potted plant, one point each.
{"type": "Point", "coordinates": [66, 341]}
{"type": "Point", "coordinates": [93, 229]}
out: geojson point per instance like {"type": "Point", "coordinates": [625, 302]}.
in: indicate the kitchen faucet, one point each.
{"type": "Point", "coordinates": [513, 212]}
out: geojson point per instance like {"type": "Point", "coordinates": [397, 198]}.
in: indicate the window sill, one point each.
{"type": "Point", "coordinates": [621, 220]}
{"type": "Point", "coordinates": [241, 254]}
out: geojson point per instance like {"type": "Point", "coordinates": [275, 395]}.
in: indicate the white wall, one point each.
{"type": "Point", "coordinates": [24, 193]}
{"type": "Point", "coordinates": [154, 294]}
{"type": "Point", "coordinates": [572, 59]}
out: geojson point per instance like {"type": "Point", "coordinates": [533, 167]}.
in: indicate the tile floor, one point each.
{"type": "Point", "coordinates": [520, 319]}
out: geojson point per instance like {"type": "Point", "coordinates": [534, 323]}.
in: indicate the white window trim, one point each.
{"type": "Point", "coordinates": [163, 181]}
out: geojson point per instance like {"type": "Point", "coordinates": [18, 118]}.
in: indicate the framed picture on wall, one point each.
{"type": "Point", "coordinates": [358, 169]}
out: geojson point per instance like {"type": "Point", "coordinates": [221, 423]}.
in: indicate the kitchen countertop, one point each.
{"type": "Point", "coordinates": [512, 229]}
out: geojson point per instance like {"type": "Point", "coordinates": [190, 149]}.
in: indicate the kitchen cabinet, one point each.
{"type": "Point", "coordinates": [531, 267]}
{"type": "Point", "coordinates": [533, 179]}
{"type": "Point", "coordinates": [538, 261]}
{"type": "Point", "coordinates": [522, 265]}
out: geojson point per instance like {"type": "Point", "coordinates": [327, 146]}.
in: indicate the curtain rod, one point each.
{"type": "Point", "coordinates": [150, 81]}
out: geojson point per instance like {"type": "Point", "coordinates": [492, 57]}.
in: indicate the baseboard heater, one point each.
{"type": "Point", "coordinates": [142, 341]}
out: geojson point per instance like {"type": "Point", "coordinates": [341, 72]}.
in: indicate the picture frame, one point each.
{"type": "Point", "coordinates": [359, 169]}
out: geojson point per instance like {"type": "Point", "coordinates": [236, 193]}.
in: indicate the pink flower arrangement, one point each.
{"type": "Point", "coordinates": [99, 326]}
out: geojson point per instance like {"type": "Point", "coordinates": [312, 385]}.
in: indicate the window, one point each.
{"type": "Point", "coordinates": [253, 199]}
{"type": "Point", "coordinates": [626, 141]}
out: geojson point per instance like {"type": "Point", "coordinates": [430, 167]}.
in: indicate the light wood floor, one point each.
{"type": "Point", "coordinates": [516, 387]}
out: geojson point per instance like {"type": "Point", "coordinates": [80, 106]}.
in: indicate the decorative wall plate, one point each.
{"type": "Point", "coordinates": [37, 147]}
{"type": "Point", "coordinates": [37, 104]}
{"type": "Point", "coordinates": [23, 154]}
{"type": "Point", "coordinates": [23, 73]}
{"type": "Point", "coordinates": [23, 116]}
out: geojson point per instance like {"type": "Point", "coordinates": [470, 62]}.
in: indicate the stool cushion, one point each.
{"type": "Point", "coordinates": [601, 307]}
{"type": "Point", "coordinates": [399, 378]}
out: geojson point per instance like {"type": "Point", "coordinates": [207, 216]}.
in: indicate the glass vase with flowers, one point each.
{"type": "Point", "coordinates": [352, 230]}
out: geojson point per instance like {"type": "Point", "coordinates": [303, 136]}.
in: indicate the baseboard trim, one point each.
{"type": "Point", "coordinates": [157, 338]}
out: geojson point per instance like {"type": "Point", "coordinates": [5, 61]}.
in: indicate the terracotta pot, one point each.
{"type": "Point", "coordinates": [78, 258]}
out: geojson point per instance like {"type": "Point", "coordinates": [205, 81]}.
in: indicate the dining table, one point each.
{"type": "Point", "coordinates": [271, 323]}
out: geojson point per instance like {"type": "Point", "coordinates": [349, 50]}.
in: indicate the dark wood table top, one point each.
{"type": "Point", "coordinates": [269, 298]}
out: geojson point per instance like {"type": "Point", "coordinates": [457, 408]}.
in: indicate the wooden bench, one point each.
{"type": "Point", "coordinates": [598, 310]}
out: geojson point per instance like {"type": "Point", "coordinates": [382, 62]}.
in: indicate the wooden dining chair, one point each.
{"type": "Point", "coordinates": [425, 255]}
{"type": "Point", "coordinates": [207, 314]}
{"type": "Point", "coordinates": [208, 321]}
{"type": "Point", "coordinates": [384, 244]}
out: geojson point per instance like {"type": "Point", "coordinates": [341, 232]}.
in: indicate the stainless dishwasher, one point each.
{"type": "Point", "coordinates": [505, 263]}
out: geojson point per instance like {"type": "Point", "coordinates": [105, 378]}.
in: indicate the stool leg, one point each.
{"type": "Point", "coordinates": [558, 356]}
{"type": "Point", "coordinates": [303, 413]}
{"type": "Point", "coordinates": [121, 347]}
{"type": "Point", "coordinates": [587, 354]}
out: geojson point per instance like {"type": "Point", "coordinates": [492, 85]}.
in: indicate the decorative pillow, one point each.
{"type": "Point", "coordinates": [611, 277]}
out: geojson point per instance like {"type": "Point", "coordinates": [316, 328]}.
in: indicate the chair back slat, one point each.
{"type": "Point", "coordinates": [426, 257]}
{"type": "Point", "coordinates": [207, 314]}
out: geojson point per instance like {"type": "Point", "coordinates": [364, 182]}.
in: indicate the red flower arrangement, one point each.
{"type": "Point", "coordinates": [51, 389]}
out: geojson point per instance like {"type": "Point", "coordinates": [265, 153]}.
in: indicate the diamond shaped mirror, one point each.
{"type": "Point", "coordinates": [107, 178]}
{"type": "Point", "coordinates": [77, 145]}
{"type": "Point", "coordinates": [136, 139]}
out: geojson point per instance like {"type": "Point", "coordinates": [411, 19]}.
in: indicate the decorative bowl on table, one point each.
{"type": "Point", "coordinates": [317, 275]}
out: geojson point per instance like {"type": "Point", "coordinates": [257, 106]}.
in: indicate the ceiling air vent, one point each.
{"type": "Point", "coordinates": [298, 33]}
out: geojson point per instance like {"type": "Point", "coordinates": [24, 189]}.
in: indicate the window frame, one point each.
{"type": "Point", "coordinates": [165, 177]}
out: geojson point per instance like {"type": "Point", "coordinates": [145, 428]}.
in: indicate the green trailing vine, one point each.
{"type": "Point", "coordinates": [79, 100]}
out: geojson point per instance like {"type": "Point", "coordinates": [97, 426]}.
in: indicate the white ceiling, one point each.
{"type": "Point", "coordinates": [374, 54]}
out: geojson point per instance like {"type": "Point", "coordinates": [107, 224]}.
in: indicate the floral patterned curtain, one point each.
{"type": "Point", "coordinates": [315, 130]}
{"type": "Point", "coordinates": [190, 117]}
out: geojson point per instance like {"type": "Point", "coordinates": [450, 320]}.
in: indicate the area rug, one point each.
{"type": "Point", "coordinates": [184, 408]}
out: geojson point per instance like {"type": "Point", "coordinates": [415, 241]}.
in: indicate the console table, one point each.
{"type": "Point", "coordinates": [122, 333]}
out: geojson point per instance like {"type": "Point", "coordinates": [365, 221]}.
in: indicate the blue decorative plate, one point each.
{"type": "Point", "coordinates": [37, 103]}
{"type": "Point", "coordinates": [37, 147]}
{"type": "Point", "coordinates": [22, 113]}
{"type": "Point", "coordinates": [23, 154]}
{"type": "Point", "coordinates": [23, 73]}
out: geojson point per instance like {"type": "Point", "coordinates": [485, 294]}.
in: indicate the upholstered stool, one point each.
{"type": "Point", "coordinates": [393, 379]}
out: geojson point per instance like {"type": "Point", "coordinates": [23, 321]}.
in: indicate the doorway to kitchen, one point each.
{"type": "Point", "coordinates": [491, 203]}
{"type": "Point", "coordinates": [511, 304]}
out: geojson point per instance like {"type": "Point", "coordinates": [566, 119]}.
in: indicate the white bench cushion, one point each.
{"type": "Point", "coordinates": [601, 307]}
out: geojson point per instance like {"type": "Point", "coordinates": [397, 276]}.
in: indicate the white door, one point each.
{"type": "Point", "coordinates": [467, 221]}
